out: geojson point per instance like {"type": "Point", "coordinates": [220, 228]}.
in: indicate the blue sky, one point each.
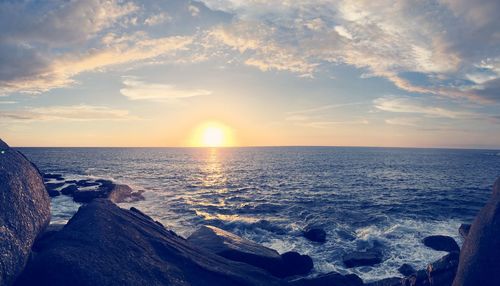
{"type": "Point", "coordinates": [323, 72]}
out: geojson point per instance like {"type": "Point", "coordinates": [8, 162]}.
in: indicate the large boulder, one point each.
{"type": "Point", "coordinates": [329, 279]}
{"type": "Point", "coordinates": [480, 255]}
{"type": "Point", "coordinates": [237, 248]}
{"type": "Point", "coordinates": [442, 271]}
{"type": "Point", "coordinates": [464, 229]}
{"type": "Point", "coordinates": [391, 281]}
{"type": "Point", "coordinates": [441, 243]}
{"type": "Point", "coordinates": [106, 245]}
{"type": "Point", "coordinates": [24, 211]}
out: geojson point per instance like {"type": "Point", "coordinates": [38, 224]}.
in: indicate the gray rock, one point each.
{"type": "Point", "coordinates": [464, 229]}
{"type": "Point", "coordinates": [480, 255]}
{"type": "Point", "coordinates": [329, 279]}
{"type": "Point", "coordinates": [123, 193]}
{"type": "Point", "coordinates": [236, 248]}
{"type": "Point", "coordinates": [106, 245]}
{"type": "Point", "coordinates": [441, 243]}
{"type": "Point", "coordinates": [25, 211]}
{"type": "Point", "coordinates": [362, 258]}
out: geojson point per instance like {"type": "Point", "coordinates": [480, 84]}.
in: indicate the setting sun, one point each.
{"type": "Point", "coordinates": [212, 137]}
{"type": "Point", "coordinates": [212, 134]}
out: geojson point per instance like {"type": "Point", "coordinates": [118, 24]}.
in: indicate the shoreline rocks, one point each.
{"type": "Point", "coordinates": [236, 248]}
{"type": "Point", "coordinates": [315, 234]}
{"type": "Point", "coordinates": [24, 211]}
{"type": "Point", "coordinates": [106, 245]}
{"type": "Point", "coordinates": [362, 258]}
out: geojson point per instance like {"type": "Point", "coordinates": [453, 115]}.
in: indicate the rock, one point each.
{"type": "Point", "coordinates": [86, 183]}
{"type": "Point", "coordinates": [406, 269]}
{"type": "Point", "coordinates": [441, 243]}
{"type": "Point", "coordinates": [420, 278]}
{"type": "Point", "coordinates": [315, 234]}
{"type": "Point", "coordinates": [24, 211]}
{"type": "Point", "coordinates": [295, 263]}
{"type": "Point", "coordinates": [464, 229]}
{"type": "Point", "coordinates": [71, 181]}
{"type": "Point", "coordinates": [329, 279]}
{"type": "Point", "coordinates": [480, 255]}
{"type": "Point", "coordinates": [124, 193]}
{"type": "Point", "coordinates": [53, 193]}
{"type": "Point", "coordinates": [442, 271]}
{"type": "Point", "coordinates": [106, 245]}
{"type": "Point", "coordinates": [391, 281]}
{"type": "Point", "coordinates": [69, 190]}
{"type": "Point", "coordinates": [362, 258]}
{"type": "Point", "coordinates": [236, 248]}
{"type": "Point", "coordinates": [53, 186]}
{"type": "Point", "coordinates": [49, 231]}
{"type": "Point", "coordinates": [86, 196]}
{"type": "Point", "coordinates": [53, 176]}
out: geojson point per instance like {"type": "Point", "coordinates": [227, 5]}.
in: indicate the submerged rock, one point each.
{"type": "Point", "coordinates": [53, 193]}
{"type": "Point", "coordinates": [464, 229]}
{"type": "Point", "coordinates": [441, 243]}
{"type": "Point", "coordinates": [24, 211]}
{"type": "Point", "coordinates": [53, 186]}
{"type": "Point", "coordinates": [117, 193]}
{"type": "Point", "coordinates": [86, 196]}
{"type": "Point", "coordinates": [362, 258]}
{"type": "Point", "coordinates": [315, 234]}
{"type": "Point", "coordinates": [236, 248]}
{"type": "Point", "coordinates": [329, 279]}
{"type": "Point", "coordinates": [106, 245]}
{"type": "Point", "coordinates": [480, 255]}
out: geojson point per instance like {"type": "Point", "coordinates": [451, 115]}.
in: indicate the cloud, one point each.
{"type": "Point", "coordinates": [195, 11]}
{"type": "Point", "coordinates": [7, 102]}
{"type": "Point", "coordinates": [36, 77]}
{"type": "Point", "coordinates": [65, 113]}
{"type": "Point", "coordinates": [404, 121]}
{"type": "Point", "coordinates": [157, 19]}
{"type": "Point", "coordinates": [416, 106]}
{"type": "Point", "coordinates": [443, 41]}
{"type": "Point", "coordinates": [136, 89]}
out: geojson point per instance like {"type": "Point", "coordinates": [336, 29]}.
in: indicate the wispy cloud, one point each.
{"type": "Point", "coordinates": [66, 113]}
{"type": "Point", "coordinates": [326, 107]}
{"type": "Point", "coordinates": [416, 106]}
{"type": "Point", "coordinates": [136, 89]}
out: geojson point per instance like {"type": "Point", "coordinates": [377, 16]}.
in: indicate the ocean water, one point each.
{"type": "Point", "coordinates": [362, 197]}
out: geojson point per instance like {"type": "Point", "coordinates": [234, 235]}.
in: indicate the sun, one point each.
{"type": "Point", "coordinates": [212, 134]}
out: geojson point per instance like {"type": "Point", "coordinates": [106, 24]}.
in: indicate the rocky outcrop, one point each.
{"type": "Point", "coordinates": [438, 273]}
{"type": "Point", "coordinates": [406, 269]}
{"type": "Point", "coordinates": [329, 279]}
{"type": "Point", "coordinates": [236, 248]}
{"type": "Point", "coordinates": [24, 211]}
{"type": "Point", "coordinates": [362, 258]}
{"type": "Point", "coordinates": [480, 255]}
{"type": "Point", "coordinates": [117, 193]}
{"type": "Point", "coordinates": [441, 243]}
{"type": "Point", "coordinates": [106, 245]}
{"type": "Point", "coordinates": [315, 234]}
{"type": "Point", "coordinates": [123, 193]}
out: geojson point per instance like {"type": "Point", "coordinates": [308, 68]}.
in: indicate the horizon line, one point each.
{"type": "Point", "coordinates": [497, 148]}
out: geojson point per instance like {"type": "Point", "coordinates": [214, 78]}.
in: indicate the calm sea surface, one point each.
{"type": "Point", "coordinates": [360, 196]}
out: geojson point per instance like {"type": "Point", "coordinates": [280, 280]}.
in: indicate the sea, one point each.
{"type": "Point", "coordinates": [362, 197]}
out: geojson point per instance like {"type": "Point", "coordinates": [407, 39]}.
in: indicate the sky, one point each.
{"type": "Point", "coordinates": [267, 73]}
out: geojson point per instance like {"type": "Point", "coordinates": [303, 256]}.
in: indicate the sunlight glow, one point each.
{"type": "Point", "coordinates": [212, 134]}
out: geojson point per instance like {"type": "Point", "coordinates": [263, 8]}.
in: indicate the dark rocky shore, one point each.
{"type": "Point", "coordinates": [103, 244]}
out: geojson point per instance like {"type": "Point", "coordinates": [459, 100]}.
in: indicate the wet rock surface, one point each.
{"type": "Point", "coordinates": [315, 234]}
{"type": "Point", "coordinates": [24, 211]}
{"type": "Point", "coordinates": [329, 279]}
